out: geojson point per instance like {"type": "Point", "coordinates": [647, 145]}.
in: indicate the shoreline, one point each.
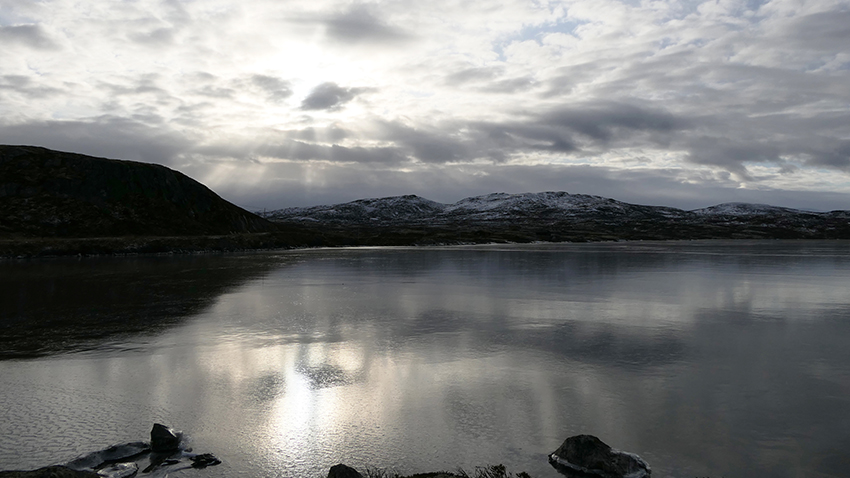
{"type": "Point", "coordinates": [24, 248]}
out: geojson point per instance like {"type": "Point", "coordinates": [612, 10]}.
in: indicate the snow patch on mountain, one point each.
{"type": "Point", "coordinates": [396, 208]}
{"type": "Point", "coordinates": [529, 201]}
{"type": "Point", "coordinates": [489, 207]}
{"type": "Point", "coordinates": [746, 209]}
{"type": "Point", "coordinates": [543, 207]}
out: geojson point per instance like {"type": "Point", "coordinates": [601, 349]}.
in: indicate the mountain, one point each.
{"type": "Point", "coordinates": [400, 209]}
{"type": "Point", "coordinates": [56, 203]}
{"type": "Point", "coordinates": [556, 216]}
{"type": "Point", "coordinates": [45, 193]}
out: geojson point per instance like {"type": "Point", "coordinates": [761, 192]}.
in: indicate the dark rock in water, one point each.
{"type": "Point", "coordinates": [204, 460]}
{"type": "Point", "coordinates": [119, 470]}
{"type": "Point", "coordinates": [164, 439]}
{"type": "Point", "coordinates": [50, 472]}
{"type": "Point", "coordinates": [114, 454]}
{"type": "Point", "coordinates": [164, 454]}
{"type": "Point", "coordinates": [586, 455]}
{"type": "Point", "coordinates": [343, 471]}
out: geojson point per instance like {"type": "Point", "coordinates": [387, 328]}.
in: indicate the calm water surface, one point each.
{"type": "Point", "coordinates": [713, 359]}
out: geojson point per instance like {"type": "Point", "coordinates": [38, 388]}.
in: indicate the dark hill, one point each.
{"type": "Point", "coordinates": [46, 193]}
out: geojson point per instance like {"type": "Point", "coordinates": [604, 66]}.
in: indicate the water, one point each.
{"type": "Point", "coordinates": [706, 358]}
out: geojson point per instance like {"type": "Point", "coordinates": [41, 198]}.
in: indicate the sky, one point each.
{"type": "Point", "coordinates": [281, 103]}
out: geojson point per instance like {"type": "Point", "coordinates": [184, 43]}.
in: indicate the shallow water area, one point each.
{"type": "Point", "coordinates": [706, 358]}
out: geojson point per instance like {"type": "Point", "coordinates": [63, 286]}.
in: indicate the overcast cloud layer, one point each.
{"type": "Point", "coordinates": [276, 104]}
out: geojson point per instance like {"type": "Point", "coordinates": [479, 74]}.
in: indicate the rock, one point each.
{"type": "Point", "coordinates": [50, 472]}
{"type": "Point", "coordinates": [204, 460]}
{"type": "Point", "coordinates": [119, 470]}
{"type": "Point", "coordinates": [164, 439]}
{"type": "Point", "coordinates": [343, 471]}
{"type": "Point", "coordinates": [586, 455]}
{"type": "Point", "coordinates": [114, 454]}
{"type": "Point", "coordinates": [164, 454]}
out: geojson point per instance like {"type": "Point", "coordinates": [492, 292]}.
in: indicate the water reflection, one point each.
{"type": "Point", "coordinates": [722, 359]}
{"type": "Point", "coordinates": [67, 305]}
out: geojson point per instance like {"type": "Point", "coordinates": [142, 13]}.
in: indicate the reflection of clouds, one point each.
{"type": "Point", "coordinates": [266, 387]}
{"type": "Point", "coordinates": [325, 376]}
{"type": "Point", "coordinates": [469, 356]}
{"type": "Point", "coordinates": [65, 305]}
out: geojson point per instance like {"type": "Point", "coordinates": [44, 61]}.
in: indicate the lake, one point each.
{"type": "Point", "coordinates": [707, 358]}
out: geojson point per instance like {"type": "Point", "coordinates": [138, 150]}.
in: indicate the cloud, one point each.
{"type": "Point", "coordinates": [328, 134]}
{"type": "Point", "coordinates": [490, 80]}
{"type": "Point", "coordinates": [359, 25]}
{"type": "Point", "coordinates": [26, 86]}
{"type": "Point", "coordinates": [467, 96]}
{"type": "Point", "coordinates": [430, 145]}
{"type": "Point", "coordinates": [147, 84]}
{"type": "Point", "coordinates": [156, 38]}
{"type": "Point", "coordinates": [33, 36]}
{"type": "Point", "coordinates": [583, 128]}
{"type": "Point", "coordinates": [330, 96]}
{"type": "Point", "coordinates": [512, 85]}
{"type": "Point", "coordinates": [835, 156]}
{"type": "Point", "coordinates": [276, 89]}
{"type": "Point", "coordinates": [300, 150]}
{"type": "Point", "coordinates": [102, 137]}
{"type": "Point", "coordinates": [602, 121]}
{"type": "Point", "coordinates": [823, 31]}
{"type": "Point", "coordinates": [474, 75]}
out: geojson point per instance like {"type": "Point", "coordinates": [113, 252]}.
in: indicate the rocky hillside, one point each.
{"type": "Point", "coordinates": [557, 216]}
{"type": "Point", "coordinates": [46, 193]}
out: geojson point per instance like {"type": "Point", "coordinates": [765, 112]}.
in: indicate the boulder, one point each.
{"type": "Point", "coordinates": [114, 454]}
{"type": "Point", "coordinates": [204, 460]}
{"type": "Point", "coordinates": [586, 455]}
{"type": "Point", "coordinates": [343, 471]}
{"type": "Point", "coordinates": [164, 439]}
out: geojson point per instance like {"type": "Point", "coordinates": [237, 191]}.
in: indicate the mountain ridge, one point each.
{"type": "Point", "coordinates": [559, 216]}
{"type": "Point", "coordinates": [396, 207]}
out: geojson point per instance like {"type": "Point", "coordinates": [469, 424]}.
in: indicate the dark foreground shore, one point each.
{"type": "Point", "coordinates": [579, 456]}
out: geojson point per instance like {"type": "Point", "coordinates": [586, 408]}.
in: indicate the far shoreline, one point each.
{"type": "Point", "coordinates": [25, 248]}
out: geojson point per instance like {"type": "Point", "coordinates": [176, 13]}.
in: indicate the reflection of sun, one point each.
{"type": "Point", "coordinates": [306, 419]}
{"type": "Point", "coordinates": [295, 408]}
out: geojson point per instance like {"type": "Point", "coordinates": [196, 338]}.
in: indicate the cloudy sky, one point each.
{"type": "Point", "coordinates": [276, 103]}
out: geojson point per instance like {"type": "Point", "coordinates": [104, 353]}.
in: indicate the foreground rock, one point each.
{"type": "Point", "coordinates": [492, 471]}
{"type": "Point", "coordinates": [164, 438]}
{"type": "Point", "coordinates": [165, 453]}
{"type": "Point", "coordinates": [343, 471]}
{"type": "Point", "coordinates": [115, 454]}
{"type": "Point", "coordinates": [586, 455]}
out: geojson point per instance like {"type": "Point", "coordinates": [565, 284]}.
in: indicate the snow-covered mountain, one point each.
{"type": "Point", "coordinates": [558, 216]}
{"type": "Point", "coordinates": [490, 207]}
{"type": "Point", "coordinates": [393, 209]}
{"type": "Point", "coordinates": [742, 209]}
